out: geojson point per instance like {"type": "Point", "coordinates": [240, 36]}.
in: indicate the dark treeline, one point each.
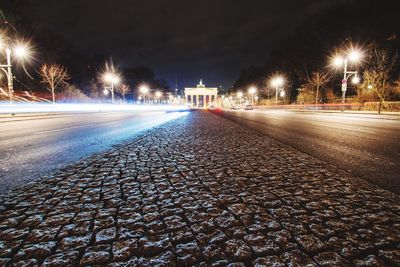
{"type": "Point", "coordinates": [51, 47]}
{"type": "Point", "coordinates": [368, 23]}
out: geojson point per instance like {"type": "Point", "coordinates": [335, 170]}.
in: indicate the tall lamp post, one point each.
{"type": "Point", "coordinates": [144, 89]}
{"type": "Point", "coordinates": [353, 56]}
{"type": "Point", "coordinates": [277, 82]}
{"type": "Point", "coordinates": [20, 52]}
{"type": "Point", "coordinates": [252, 91]}
{"type": "Point", "coordinates": [113, 79]}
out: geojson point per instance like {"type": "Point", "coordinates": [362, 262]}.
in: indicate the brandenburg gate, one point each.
{"type": "Point", "coordinates": [201, 96]}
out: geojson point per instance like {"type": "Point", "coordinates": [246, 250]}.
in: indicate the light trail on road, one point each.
{"type": "Point", "coordinates": [13, 108]}
{"type": "Point", "coordinates": [37, 145]}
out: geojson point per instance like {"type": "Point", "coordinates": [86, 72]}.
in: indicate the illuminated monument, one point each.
{"type": "Point", "coordinates": [201, 96]}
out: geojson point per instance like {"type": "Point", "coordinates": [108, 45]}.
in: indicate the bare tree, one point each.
{"type": "Point", "coordinates": [123, 89]}
{"type": "Point", "coordinates": [53, 75]}
{"type": "Point", "coordinates": [377, 75]}
{"type": "Point", "coordinates": [315, 82]}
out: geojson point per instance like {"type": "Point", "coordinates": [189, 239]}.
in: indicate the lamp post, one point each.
{"type": "Point", "coordinates": [158, 95]}
{"type": "Point", "coordinates": [21, 52]}
{"type": "Point", "coordinates": [277, 82]}
{"type": "Point", "coordinates": [352, 56]}
{"type": "Point", "coordinates": [144, 89]}
{"type": "Point", "coordinates": [112, 78]}
{"type": "Point", "coordinates": [252, 91]}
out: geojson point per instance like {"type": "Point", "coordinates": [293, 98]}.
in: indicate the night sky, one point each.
{"type": "Point", "coordinates": [209, 39]}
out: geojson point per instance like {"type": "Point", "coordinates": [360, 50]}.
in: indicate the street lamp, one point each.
{"type": "Point", "coordinates": [158, 95]}
{"type": "Point", "coordinates": [353, 56]}
{"type": "Point", "coordinates": [21, 52]}
{"type": "Point", "coordinates": [144, 89]}
{"type": "Point", "coordinates": [277, 82]}
{"type": "Point", "coordinates": [113, 79]}
{"type": "Point", "coordinates": [252, 91]}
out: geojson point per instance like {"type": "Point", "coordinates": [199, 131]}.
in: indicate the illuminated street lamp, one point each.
{"type": "Point", "coordinates": [21, 52]}
{"type": "Point", "coordinates": [113, 79]}
{"type": "Point", "coordinates": [252, 91]}
{"type": "Point", "coordinates": [144, 89]}
{"type": "Point", "coordinates": [277, 82]}
{"type": "Point", "coordinates": [158, 95]}
{"type": "Point", "coordinates": [353, 56]}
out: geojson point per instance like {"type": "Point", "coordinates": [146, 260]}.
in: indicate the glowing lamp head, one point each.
{"type": "Point", "coordinates": [239, 94]}
{"type": "Point", "coordinates": [144, 89]}
{"type": "Point", "coordinates": [355, 80]}
{"type": "Point", "coordinates": [355, 55]}
{"type": "Point", "coordinates": [108, 77]}
{"type": "Point", "coordinates": [338, 61]}
{"type": "Point", "coordinates": [116, 79]}
{"type": "Point", "coordinates": [369, 86]}
{"type": "Point", "coordinates": [252, 90]}
{"type": "Point", "coordinates": [21, 51]}
{"type": "Point", "coordinates": [158, 94]}
{"type": "Point", "coordinates": [277, 81]}
{"type": "Point", "coordinates": [282, 94]}
{"type": "Point", "coordinates": [105, 92]}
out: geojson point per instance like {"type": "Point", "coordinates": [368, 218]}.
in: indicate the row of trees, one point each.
{"type": "Point", "coordinates": [55, 78]}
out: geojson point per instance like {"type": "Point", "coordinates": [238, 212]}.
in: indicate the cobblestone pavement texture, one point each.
{"type": "Point", "coordinates": [204, 191]}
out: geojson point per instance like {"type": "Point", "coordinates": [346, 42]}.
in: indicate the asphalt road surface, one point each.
{"type": "Point", "coordinates": [35, 146]}
{"type": "Point", "coordinates": [363, 145]}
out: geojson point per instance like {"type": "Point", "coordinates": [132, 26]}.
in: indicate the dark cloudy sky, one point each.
{"type": "Point", "coordinates": [209, 39]}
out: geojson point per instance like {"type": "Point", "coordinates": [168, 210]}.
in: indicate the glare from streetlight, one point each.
{"type": "Point", "coordinates": [111, 78]}
{"type": "Point", "coordinates": [282, 94]}
{"type": "Point", "coordinates": [158, 94]}
{"type": "Point", "coordinates": [21, 51]}
{"type": "Point", "coordinates": [337, 61]}
{"type": "Point", "coordinates": [116, 79]}
{"type": "Point", "coordinates": [355, 80]}
{"type": "Point", "coordinates": [355, 55]}
{"type": "Point", "coordinates": [277, 81]}
{"type": "Point", "coordinates": [144, 89]}
{"type": "Point", "coordinates": [108, 77]}
{"type": "Point", "coordinates": [105, 92]}
{"type": "Point", "coordinates": [239, 94]}
{"type": "Point", "coordinates": [252, 90]}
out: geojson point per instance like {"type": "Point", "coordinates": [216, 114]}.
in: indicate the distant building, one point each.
{"type": "Point", "coordinates": [201, 96]}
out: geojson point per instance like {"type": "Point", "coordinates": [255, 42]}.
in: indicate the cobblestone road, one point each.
{"type": "Point", "coordinates": [203, 191]}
